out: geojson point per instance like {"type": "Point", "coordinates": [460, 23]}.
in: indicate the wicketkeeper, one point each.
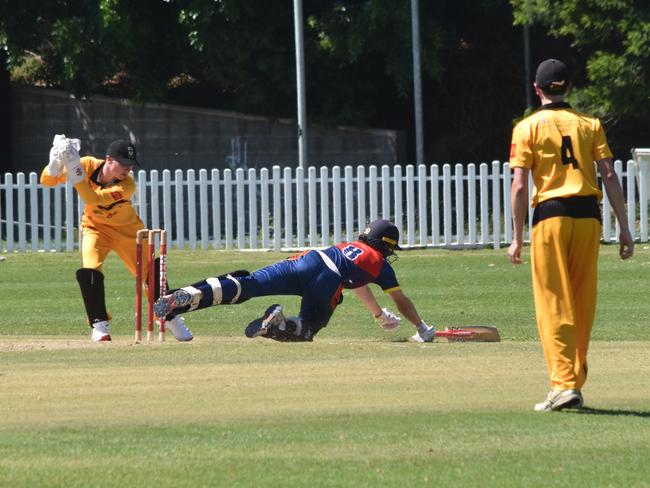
{"type": "Point", "coordinates": [109, 222]}
{"type": "Point", "coordinates": [319, 277]}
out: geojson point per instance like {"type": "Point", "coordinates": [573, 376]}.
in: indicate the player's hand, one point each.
{"type": "Point", "coordinates": [626, 246]}
{"type": "Point", "coordinates": [514, 252]}
{"type": "Point", "coordinates": [388, 320]}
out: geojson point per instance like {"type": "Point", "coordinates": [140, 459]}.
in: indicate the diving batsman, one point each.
{"type": "Point", "coordinates": [319, 277]}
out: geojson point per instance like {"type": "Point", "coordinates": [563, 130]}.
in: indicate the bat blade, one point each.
{"type": "Point", "coordinates": [470, 333]}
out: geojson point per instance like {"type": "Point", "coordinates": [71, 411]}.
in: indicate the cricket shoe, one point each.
{"type": "Point", "coordinates": [559, 400]}
{"type": "Point", "coordinates": [272, 317]}
{"type": "Point", "coordinates": [166, 304]}
{"type": "Point", "coordinates": [177, 327]}
{"type": "Point", "coordinates": [100, 332]}
{"type": "Point", "coordinates": [424, 336]}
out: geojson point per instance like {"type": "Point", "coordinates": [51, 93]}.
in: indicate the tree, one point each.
{"type": "Point", "coordinates": [613, 37]}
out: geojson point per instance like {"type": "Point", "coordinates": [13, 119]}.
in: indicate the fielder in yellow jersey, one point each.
{"type": "Point", "coordinates": [560, 146]}
{"type": "Point", "coordinates": [109, 222]}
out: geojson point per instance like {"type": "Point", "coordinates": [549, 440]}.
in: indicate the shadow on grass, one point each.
{"type": "Point", "coordinates": [608, 411]}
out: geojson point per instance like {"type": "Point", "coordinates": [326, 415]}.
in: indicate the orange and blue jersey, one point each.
{"type": "Point", "coordinates": [360, 264]}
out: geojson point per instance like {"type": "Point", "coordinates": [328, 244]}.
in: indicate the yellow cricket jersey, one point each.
{"type": "Point", "coordinates": [108, 204]}
{"type": "Point", "coordinates": [560, 146]}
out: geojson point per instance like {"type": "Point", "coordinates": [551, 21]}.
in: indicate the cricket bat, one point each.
{"type": "Point", "coordinates": [470, 333]}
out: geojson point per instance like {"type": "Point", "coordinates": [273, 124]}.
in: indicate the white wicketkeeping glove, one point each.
{"type": "Point", "coordinates": [388, 320]}
{"type": "Point", "coordinates": [72, 161]}
{"type": "Point", "coordinates": [55, 165]}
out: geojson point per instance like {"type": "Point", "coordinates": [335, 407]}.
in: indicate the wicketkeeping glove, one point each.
{"type": "Point", "coordinates": [388, 320]}
{"type": "Point", "coordinates": [72, 161]}
{"type": "Point", "coordinates": [55, 165]}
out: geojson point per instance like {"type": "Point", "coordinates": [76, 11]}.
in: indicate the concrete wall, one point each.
{"type": "Point", "coordinates": [177, 137]}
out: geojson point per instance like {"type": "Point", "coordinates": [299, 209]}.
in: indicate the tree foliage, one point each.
{"type": "Point", "coordinates": [614, 37]}
{"type": "Point", "coordinates": [240, 55]}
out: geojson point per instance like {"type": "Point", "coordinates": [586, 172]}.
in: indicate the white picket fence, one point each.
{"type": "Point", "coordinates": [290, 208]}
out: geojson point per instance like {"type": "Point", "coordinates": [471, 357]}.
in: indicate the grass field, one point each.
{"type": "Point", "coordinates": [357, 407]}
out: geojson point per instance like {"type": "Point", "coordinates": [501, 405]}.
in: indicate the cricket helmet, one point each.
{"type": "Point", "coordinates": [383, 236]}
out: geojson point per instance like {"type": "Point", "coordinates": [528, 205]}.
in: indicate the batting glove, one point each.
{"type": "Point", "coordinates": [388, 320]}
{"type": "Point", "coordinates": [426, 333]}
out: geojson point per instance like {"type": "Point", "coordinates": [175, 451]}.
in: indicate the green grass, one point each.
{"type": "Point", "coordinates": [357, 407]}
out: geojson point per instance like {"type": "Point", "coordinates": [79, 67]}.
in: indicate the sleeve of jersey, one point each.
{"type": "Point", "coordinates": [106, 196]}
{"type": "Point", "coordinates": [387, 279]}
{"type": "Point", "coordinates": [601, 148]}
{"type": "Point", "coordinates": [521, 153]}
{"type": "Point", "coordinates": [48, 180]}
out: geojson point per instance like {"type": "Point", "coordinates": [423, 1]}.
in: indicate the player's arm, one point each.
{"type": "Point", "coordinates": [105, 196]}
{"type": "Point", "coordinates": [519, 203]}
{"type": "Point", "coordinates": [384, 317]}
{"type": "Point", "coordinates": [368, 299]}
{"type": "Point", "coordinates": [405, 306]}
{"type": "Point", "coordinates": [616, 198]}
{"type": "Point", "coordinates": [48, 179]}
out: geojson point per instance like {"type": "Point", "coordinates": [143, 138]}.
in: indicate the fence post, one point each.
{"type": "Point", "coordinates": [191, 208]}
{"type": "Point", "coordinates": [361, 197]}
{"type": "Point", "coordinates": [410, 204]}
{"type": "Point", "coordinates": [203, 198]}
{"type": "Point", "coordinates": [277, 210]}
{"type": "Point", "coordinates": [288, 208]}
{"type": "Point", "coordinates": [435, 204]}
{"type": "Point", "coordinates": [446, 202]}
{"type": "Point", "coordinates": [336, 203]}
{"type": "Point", "coordinates": [33, 210]}
{"type": "Point", "coordinates": [9, 211]}
{"type": "Point", "coordinates": [496, 204]}
{"type": "Point", "coordinates": [422, 204]}
{"type": "Point", "coordinates": [349, 204]}
{"type": "Point", "coordinates": [460, 205]}
{"type": "Point", "coordinates": [324, 207]}
{"type": "Point", "coordinates": [252, 207]}
{"type": "Point", "coordinates": [300, 207]}
{"type": "Point", "coordinates": [399, 209]}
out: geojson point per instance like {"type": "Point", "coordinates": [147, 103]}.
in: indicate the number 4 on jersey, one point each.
{"type": "Point", "coordinates": [568, 156]}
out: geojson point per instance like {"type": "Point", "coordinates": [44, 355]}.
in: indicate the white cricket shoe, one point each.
{"type": "Point", "coordinates": [559, 400]}
{"type": "Point", "coordinates": [177, 327]}
{"type": "Point", "coordinates": [100, 332]}
{"type": "Point", "coordinates": [424, 336]}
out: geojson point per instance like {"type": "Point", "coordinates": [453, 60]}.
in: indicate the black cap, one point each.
{"type": "Point", "coordinates": [384, 234]}
{"type": "Point", "coordinates": [123, 152]}
{"type": "Point", "coordinates": [552, 77]}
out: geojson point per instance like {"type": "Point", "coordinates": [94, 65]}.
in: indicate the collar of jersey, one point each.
{"type": "Point", "coordinates": [95, 177]}
{"type": "Point", "coordinates": [555, 105]}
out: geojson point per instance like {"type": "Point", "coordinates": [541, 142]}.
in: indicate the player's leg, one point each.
{"type": "Point", "coordinates": [91, 283]}
{"type": "Point", "coordinates": [583, 267]}
{"type": "Point", "coordinates": [554, 301]}
{"type": "Point", "coordinates": [283, 278]}
{"type": "Point", "coordinates": [320, 296]}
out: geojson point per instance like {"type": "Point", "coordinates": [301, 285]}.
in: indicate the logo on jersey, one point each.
{"type": "Point", "coordinates": [513, 150]}
{"type": "Point", "coordinates": [116, 195]}
{"type": "Point", "coordinates": [352, 252]}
